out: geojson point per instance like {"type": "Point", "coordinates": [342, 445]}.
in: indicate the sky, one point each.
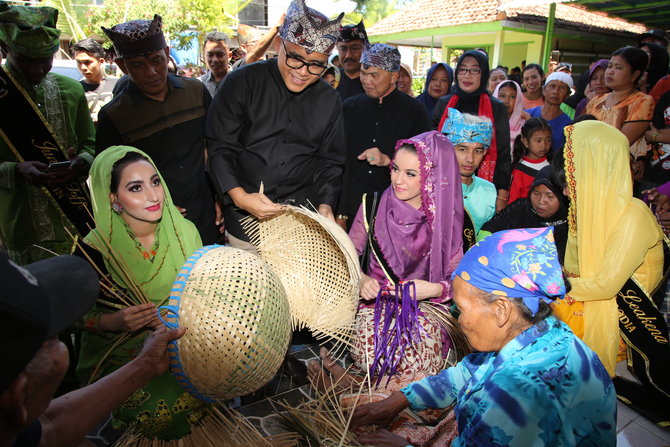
{"type": "Point", "coordinates": [329, 7]}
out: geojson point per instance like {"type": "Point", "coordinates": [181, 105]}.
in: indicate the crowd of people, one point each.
{"type": "Point", "coordinates": [533, 209]}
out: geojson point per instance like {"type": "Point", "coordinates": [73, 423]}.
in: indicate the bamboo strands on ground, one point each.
{"type": "Point", "coordinates": [325, 421]}
{"type": "Point", "coordinates": [221, 427]}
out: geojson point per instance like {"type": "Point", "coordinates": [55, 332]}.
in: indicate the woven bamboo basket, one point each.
{"type": "Point", "coordinates": [237, 315]}
{"type": "Point", "coordinates": [318, 265]}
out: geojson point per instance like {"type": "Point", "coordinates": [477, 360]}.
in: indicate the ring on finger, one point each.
{"type": "Point", "coordinates": [371, 158]}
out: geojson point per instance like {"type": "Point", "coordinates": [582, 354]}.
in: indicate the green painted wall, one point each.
{"type": "Point", "coordinates": [514, 44]}
{"type": "Point", "coordinates": [514, 54]}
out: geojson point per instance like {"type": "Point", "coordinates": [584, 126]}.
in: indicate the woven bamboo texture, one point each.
{"type": "Point", "coordinates": [220, 428]}
{"type": "Point", "coordinates": [238, 320]}
{"type": "Point", "coordinates": [318, 265]}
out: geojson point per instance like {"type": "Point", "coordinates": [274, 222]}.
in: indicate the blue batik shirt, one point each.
{"type": "Point", "coordinates": [543, 388]}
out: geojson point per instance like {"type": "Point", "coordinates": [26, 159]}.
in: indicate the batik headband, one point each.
{"type": "Point", "coordinates": [137, 37]}
{"type": "Point", "coordinates": [29, 31]}
{"type": "Point", "coordinates": [309, 28]}
{"type": "Point", "coordinates": [464, 128]}
{"type": "Point", "coordinates": [353, 32]}
{"type": "Point", "coordinates": [520, 263]}
{"type": "Point", "coordinates": [381, 56]}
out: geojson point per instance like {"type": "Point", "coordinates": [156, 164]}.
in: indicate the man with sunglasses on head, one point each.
{"type": "Point", "coordinates": [275, 131]}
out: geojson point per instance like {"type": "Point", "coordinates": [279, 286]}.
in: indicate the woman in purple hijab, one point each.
{"type": "Point", "coordinates": [415, 243]}
{"type": "Point", "coordinates": [595, 86]}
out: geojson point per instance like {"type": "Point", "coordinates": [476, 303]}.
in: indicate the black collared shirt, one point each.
{"type": "Point", "coordinates": [370, 124]}
{"type": "Point", "coordinates": [348, 87]}
{"type": "Point", "coordinates": [172, 133]}
{"type": "Point", "coordinates": [259, 131]}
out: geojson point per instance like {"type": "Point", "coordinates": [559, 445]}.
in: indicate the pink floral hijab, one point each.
{"type": "Point", "coordinates": [421, 244]}
{"type": "Point", "coordinates": [516, 122]}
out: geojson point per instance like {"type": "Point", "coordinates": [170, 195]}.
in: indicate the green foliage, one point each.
{"type": "Point", "coordinates": [417, 85]}
{"type": "Point", "coordinates": [70, 18]}
{"type": "Point", "coordinates": [203, 16]}
{"type": "Point", "coordinates": [119, 11]}
{"type": "Point", "coordinates": [374, 10]}
{"type": "Point", "coordinates": [182, 19]}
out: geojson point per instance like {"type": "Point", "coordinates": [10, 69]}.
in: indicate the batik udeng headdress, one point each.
{"type": "Point", "coordinates": [381, 56]}
{"type": "Point", "coordinates": [353, 32]}
{"type": "Point", "coordinates": [309, 28]}
{"type": "Point", "coordinates": [137, 37]}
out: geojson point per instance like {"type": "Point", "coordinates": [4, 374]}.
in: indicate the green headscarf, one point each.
{"type": "Point", "coordinates": [177, 237]}
{"type": "Point", "coordinates": [161, 408]}
{"type": "Point", "coordinates": [29, 31]}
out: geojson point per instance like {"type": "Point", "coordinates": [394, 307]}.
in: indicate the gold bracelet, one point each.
{"type": "Point", "coordinates": [655, 137]}
{"type": "Point", "coordinates": [503, 199]}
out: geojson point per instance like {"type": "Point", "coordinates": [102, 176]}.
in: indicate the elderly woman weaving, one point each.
{"type": "Point", "coordinates": [533, 382]}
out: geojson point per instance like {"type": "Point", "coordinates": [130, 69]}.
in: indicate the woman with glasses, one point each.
{"type": "Point", "coordinates": [471, 96]}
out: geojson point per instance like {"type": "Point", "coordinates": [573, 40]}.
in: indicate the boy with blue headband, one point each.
{"type": "Point", "coordinates": [471, 136]}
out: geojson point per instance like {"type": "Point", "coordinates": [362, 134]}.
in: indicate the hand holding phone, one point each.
{"type": "Point", "coordinates": [58, 166]}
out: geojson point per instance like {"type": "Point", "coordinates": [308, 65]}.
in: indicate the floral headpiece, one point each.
{"type": "Point", "coordinates": [464, 128]}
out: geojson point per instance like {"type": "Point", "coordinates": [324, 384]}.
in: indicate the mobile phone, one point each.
{"type": "Point", "coordinates": [58, 166]}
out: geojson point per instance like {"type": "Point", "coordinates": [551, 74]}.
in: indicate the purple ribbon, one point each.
{"type": "Point", "coordinates": [397, 328]}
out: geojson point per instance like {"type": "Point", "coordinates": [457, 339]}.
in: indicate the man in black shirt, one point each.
{"type": "Point", "coordinates": [374, 121]}
{"type": "Point", "coordinates": [163, 115]}
{"type": "Point", "coordinates": [276, 126]}
{"type": "Point", "coordinates": [350, 44]}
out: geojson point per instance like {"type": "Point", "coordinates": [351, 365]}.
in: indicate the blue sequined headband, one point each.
{"type": "Point", "coordinates": [461, 128]}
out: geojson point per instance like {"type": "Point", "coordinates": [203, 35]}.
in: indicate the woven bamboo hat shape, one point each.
{"type": "Point", "coordinates": [237, 315]}
{"type": "Point", "coordinates": [318, 265]}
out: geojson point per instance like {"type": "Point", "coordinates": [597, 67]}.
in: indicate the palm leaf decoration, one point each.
{"type": "Point", "coordinates": [69, 19]}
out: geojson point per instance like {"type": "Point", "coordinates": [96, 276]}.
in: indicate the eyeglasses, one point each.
{"type": "Point", "coordinates": [296, 63]}
{"type": "Point", "coordinates": [474, 71]}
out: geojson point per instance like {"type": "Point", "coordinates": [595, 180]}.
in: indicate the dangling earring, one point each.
{"type": "Point", "coordinates": [116, 207]}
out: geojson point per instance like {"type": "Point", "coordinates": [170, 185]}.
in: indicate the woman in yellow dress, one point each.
{"type": "Point", "coordinates": [614, 245]}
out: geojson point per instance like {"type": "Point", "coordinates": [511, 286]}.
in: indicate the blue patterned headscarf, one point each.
{"type": "Point", "coordinates": [520, 263]}
{"type": "Point", "coordinates": [381, 56]}
{"type": "Point", "coordinates": [464, 128]}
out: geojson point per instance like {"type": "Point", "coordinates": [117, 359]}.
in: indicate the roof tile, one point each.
{"type": "Point", "coordinates": [430, 14]}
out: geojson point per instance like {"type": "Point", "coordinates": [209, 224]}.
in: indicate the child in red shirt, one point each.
{"type": "Point", "coordinates": [531, 151]}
